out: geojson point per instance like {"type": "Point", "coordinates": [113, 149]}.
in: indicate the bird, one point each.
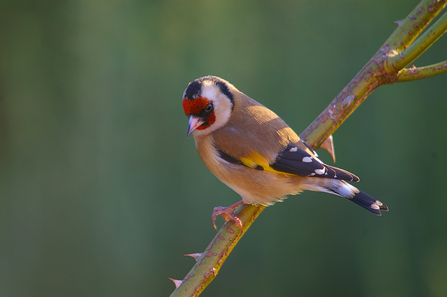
{"type": "Point", "coordinates": [254, 152]}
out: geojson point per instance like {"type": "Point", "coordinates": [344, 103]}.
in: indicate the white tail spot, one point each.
{"type": "Point", "coordinates": [375, 206]}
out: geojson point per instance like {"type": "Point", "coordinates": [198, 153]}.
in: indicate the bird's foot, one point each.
{"type": "Point", "coordinates": [227, 214]}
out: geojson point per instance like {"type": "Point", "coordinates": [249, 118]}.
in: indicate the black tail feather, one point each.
{"type": "Point", "coordinates": [369, 203]}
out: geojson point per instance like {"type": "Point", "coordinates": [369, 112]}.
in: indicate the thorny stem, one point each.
{"type": "Point", "coordinates": [208, 264]}
{"type": "Point", "coordinates": [420, 45]}
{"type": "Point", "coordinates": [385, 67]}
{"type": "Point", "coordinates": [410, 27]}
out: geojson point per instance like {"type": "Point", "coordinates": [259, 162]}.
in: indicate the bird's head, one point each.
{"type": "Point", "coordinates": [208, 103]}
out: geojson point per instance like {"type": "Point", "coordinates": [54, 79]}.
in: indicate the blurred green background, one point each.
{"type": "Point", "coordinates": [101, 193]}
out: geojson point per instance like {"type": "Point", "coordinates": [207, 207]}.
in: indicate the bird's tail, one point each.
{"type": "Point", "coordinates": [368, 202]}
{"type": "Point", "coordinates": [343, 189]}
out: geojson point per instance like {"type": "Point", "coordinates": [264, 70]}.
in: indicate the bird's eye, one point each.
{"type": "Point", "coordinates": [209, 107]}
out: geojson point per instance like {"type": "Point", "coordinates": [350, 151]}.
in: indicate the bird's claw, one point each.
{"type": "Point", "coordinates": [227, 214]}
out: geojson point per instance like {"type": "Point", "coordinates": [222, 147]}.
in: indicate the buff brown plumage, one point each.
{"type": "Point", "coordinates": [254, 152]}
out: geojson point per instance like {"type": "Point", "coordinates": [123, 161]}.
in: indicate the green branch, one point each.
{"type": "Point", "coordinates": [208, 264]}
{"type": "Point", "coordinates": [415, 73]}
{"type": "Point", "coordinates": [385, 67]}
{"type": "Point", "coordinates": [410, 27]}
{"type": "Point", "coordinates": [421, 44]}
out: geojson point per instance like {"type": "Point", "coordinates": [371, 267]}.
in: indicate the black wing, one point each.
{"type": "Point", "coordinates": [295, 160]}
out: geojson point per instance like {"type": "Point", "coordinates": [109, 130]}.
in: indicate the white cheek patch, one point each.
{"type": "Point", "coordinates": [222, 105]}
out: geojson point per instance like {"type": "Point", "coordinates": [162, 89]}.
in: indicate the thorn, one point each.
{"type": "Point", "coordinates": [328, 145]}
{"type": "Point", "coordinates": [195, 255]}
{"type": "Point", "coordinates": [176, 282]}
{"type": "Point", "coordinates": [398, 22]}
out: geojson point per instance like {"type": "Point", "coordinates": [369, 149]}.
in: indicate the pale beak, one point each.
{"type": "Point", "coordinates": [194, 123]}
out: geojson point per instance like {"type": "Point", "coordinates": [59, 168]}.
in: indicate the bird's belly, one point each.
{"type": "Point", "coordinates": [258, 186]}
{"type": "Point", "coordinates": [254, 186]}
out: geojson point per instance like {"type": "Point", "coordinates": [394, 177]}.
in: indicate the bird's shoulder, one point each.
{"type": "Point", "coordinates": [253, 128]}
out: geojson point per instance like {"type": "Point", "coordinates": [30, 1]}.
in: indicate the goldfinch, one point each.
{"type": "Point", "coordinates": [254, 152]}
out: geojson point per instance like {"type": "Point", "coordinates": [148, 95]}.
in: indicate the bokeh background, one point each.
{"type": "Point", "coordinates": [101, 193]}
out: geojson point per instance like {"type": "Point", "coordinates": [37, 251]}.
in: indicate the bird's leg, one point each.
{"type": "Point", "coordinates": [227, 214]}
